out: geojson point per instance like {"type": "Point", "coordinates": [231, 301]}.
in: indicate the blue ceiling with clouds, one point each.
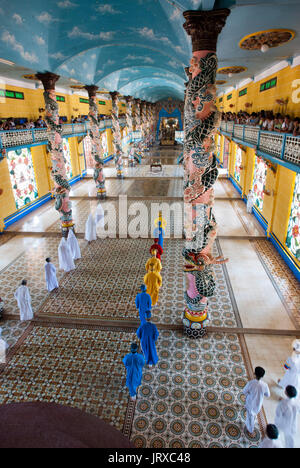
{"type": "Point", "coordinates": [137, 47]}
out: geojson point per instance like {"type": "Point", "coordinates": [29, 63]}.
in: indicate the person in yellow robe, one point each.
{"type": "Point", "coordinates": [153, 280]}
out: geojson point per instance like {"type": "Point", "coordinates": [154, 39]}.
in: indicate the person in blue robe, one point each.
{"type": "Point", "coordinates": [148, 334]}
{"type": "Point", "coordinates": [134, 363]}
{"type": "Point", "coordinates": [143, 302]}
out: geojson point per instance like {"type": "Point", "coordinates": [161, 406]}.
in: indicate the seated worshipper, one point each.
{"type": "Point", "coordinates": [134, 363]}
{"type": "Point", "coordinates": [143, 303]}
{"type": "Point", "coordinates": [271, 440]}
{"type": "Point", "coordinates": [65, 257]}
{"type": "Point", "coordinates": [153, 281]}
{"type": "Point", "coordinates": [148, 334]}
{"type": "Point", "coordinates": [292, 366]}
{"type": "Point", "coordinates": [286, 418]}
{"type": "Point", "coordinates": [50, 272]}
{"type": "Point", "coordinates": [90, 229]}
{"type": "Point", "coordinates": [255, 391]}
{"type": "Point", "coordinates": [73, 245]}
{"type": "Point", "coordinates": [24, 302]}
{"type": "Point", "coordinates": [3, 348]}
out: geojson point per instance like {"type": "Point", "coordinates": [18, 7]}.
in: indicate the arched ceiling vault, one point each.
{"type": "Point", "coordinates": [137, 47]}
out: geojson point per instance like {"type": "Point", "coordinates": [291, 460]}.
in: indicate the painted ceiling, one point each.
{"type": "Point", "coordinates": [136, 47]}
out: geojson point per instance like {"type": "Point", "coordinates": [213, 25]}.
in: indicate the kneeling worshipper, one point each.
{"type": "Point", "coordinates": [74, 246]}
{"type": "Point", "coordinates": [292, 366]}
{"type": "Point", "coordinates": [90, 229]}
{"type": "Point", "coordinates": [134, 363]}
{"type": "Point", "coordinates": [143, 303]}
{"type": "Point", "coordinates": [148, 334]}
{"type": "Point", "coordinates": [271, 440]}
{"type": "Point", "coordinates": [50, 273]}
{"type": "Point", "coordinates": [153, 281]}
{"type": "Point", "coordinates": [24, 302]}
{"type": "Point", "coordinates": [3, 347]}
{"type": "Point", "coordinates": [65, 257]}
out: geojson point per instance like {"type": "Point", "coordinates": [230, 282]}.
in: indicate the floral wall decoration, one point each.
{"type": "Point", "coordinates": [87, 146]}
{"type": "Point", "coordinates": [259, 181]}
{"type": "Point", "coordinates": [293, 233]}
{"type": "Point", "coordinates": [67, 156]}
{"type": "Point", "coordinates": [104, 144]}
{"type": "Point", "coordinates": [238, 165]}
{"type": "Point", "coordinates": [22, 176]}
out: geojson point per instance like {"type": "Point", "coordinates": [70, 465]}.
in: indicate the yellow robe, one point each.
{"type": "Point", "coordinates": [153, 281]}
{"type": "Point", "coordinates": [153, 264]}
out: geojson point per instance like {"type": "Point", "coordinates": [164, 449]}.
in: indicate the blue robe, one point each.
{"type": "Point", "coordinates": [143, 302]}
{"type": "Point", "coordinates": [134, 364]}
{"type": "Point", "coordinates": [148, 335]}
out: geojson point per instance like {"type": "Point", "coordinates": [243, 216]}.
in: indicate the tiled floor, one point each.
{"type": "Point", "coordinates": [193, 397]}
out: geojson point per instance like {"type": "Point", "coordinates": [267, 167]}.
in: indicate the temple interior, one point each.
{"type": "Point", "coordinates": [166, 125]}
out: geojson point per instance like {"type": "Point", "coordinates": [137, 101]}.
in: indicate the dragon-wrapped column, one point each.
{"type": "Point", "coordinates": [129, 125]}
{"type": "Point", "coordinates": [62, 188]}
{"type": "Point", "coordinates": [117, 134]}
{"type": "Point", "coordinates": [201, 121]}
{"type": "Point", "coordinates": [97, 149]}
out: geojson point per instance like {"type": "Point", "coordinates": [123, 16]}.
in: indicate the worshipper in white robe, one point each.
{"type": "Point", "coordinates": [74, 246]}
{"type": "Point", "coordinates": [23, 298]}
{"type": "Point", "coordinates": [3, 348]}
{"type": "Point", "coordinates": [292, 366]}
{"type": "Point", "coordinates": [65, 257]}
{"type": "Point", "coordinates": [271, 441]}
{"type": "Point", "coordinates": [100, 216]}
{"type": "Point", "coordinates": [50, 274]}
{"type": "Point", "coordinates": [255, 391]}
{"type": "Point", "coordinates": [90, 229]}
{"type": "Point", "coordinates": [286, 416]}
{"type": "Point", "coordinates": [250, 201]}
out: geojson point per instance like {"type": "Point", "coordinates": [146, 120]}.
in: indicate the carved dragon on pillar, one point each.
{"type": "Point", "coordinates": [129, 124]}
{"type": "Point", "coordinates": [62, 188]}
{"type": "Point", "coordinates": [201, 121]}
{"type": "Point", "coordinates": [97, 149]}
{"type": "Point", "coordinates": [117, 134]}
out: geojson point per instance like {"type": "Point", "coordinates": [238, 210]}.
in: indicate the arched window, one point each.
{"type": "Point", "coordinates": [293, 233]}
{"type": "Point", "coordinates": [22, 176]}
{"type": "Point", "coordinates": [67, 156]}
{"type": "Point", "coordinates": [259, 181]}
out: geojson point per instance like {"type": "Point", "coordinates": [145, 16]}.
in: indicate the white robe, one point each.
{"type": "Point", "coordinates": [255, 392]}
{"type": "Point", "coordinates": [292, 375]}
{"type": "Point", "coordinates": [3, 347]}
{"type": "Point", "coordinates": [65, 257]}
{"type": "Point", "coordinates": [271, 444]}
{"type": "Point", "coordinates": [250, 202]}
{"type": "Point", "coordinates": [90, 229]}
{"type": "Point", "coordinates": [100, 216]}
{"type": "Point", "coordinates": [51, 280]}
{"type": "Point", "coordinates": [74, 246]}
{"type": "Point", "coordinates": [24, 302]}
{"type": "Point", "coordinates": [286, 416]}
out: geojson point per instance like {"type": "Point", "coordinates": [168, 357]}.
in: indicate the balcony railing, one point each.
{"type": "Point", "coordinates": [38, 136]}
{"type": "Point", "coordinates": [279, 145]}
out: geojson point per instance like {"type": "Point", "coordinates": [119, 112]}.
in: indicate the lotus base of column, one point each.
{"type": "Point", "coordinates": [194, 324]}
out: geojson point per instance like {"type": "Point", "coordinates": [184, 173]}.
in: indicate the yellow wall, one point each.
{"type": "Point", "coordinates": [267, 99]}
{"type": "Point", "coordinates": [33, 100]}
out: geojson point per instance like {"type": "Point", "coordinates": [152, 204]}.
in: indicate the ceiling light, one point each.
{"type": "Point", "coordinates": [7, 62]}
{"type": "Point", "coordinates": [264, 48]}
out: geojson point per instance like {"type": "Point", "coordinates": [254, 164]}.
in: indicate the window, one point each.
{"type": "Point", "coordinates": [6, 93]}
{"type": "Point", "coordinates": [243, 92]}
{"type": "Point", "coordinates": [60, 99]}
{"type": "Point", "coordinates": [293, 233]}
{"type": "Point", "coordinates": [104, 144]}
{"type": "Point", "coordinates": [229, 97]}
{"type": "Point", "coordinates": [67, 157]}
{"type": "Point", "coordinates": [268, 84]}
{"type": "Point", "coordinates": [22, 176]}
{"type": "Point", "coordinates": [102, 103]}
{"type": "Point", "coordinates": [259, 181]}
{"type": "Point", "coordinates": [221, 99]}
{"type": "Point", "coordinates": [87, 147]}
{"type": "Point", "coordinates": [238, 164]}
{"type": "Point", "coordinates": [84, 101]}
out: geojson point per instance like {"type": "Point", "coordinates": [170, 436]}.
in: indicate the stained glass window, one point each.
{"type": "Point", "coordinates": [238, 164]}
{"type": "Point", "coordinates": [293, 234]}
{"type": "Point", "coordinates": [67, 156]}
{"type": "Point", "coordinates": [104, 144]}
{"type": "Point", "coordinates": [22, 176]}
{"type": "Point", "coordinates": [259, 181]}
